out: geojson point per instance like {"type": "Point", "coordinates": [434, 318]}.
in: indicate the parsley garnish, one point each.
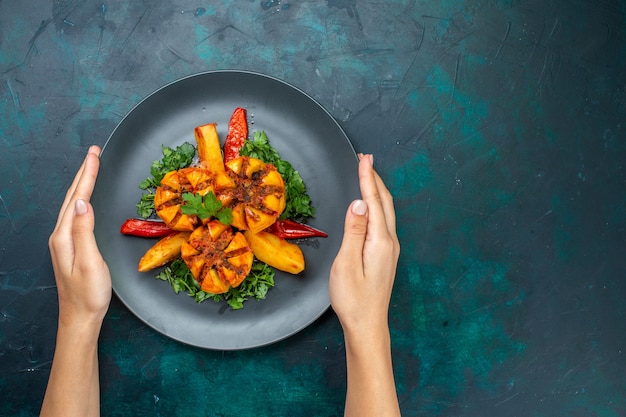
{"type": "Point", "coordinates": [179, 277]}
{"type": "Point", "coordinates": [173, 160]}
{"type": "Point", "coordinates": [206, 207]}
{"type": "Point", "coordinates": [256, 284]}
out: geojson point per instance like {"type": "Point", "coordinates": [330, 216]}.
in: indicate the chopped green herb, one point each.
{"type": "Point", "coordinates": [299, 206]}
{"type": "Point", "coordinates": [205, 207]}
{"type": "Point", "coordinates": [172, 160]}
{"type": "Point", "coordinates": [145, 207]}
{"type": "Point", "coordinates": [179, 276]}
{"type": "Point", "coordinates": [256, 284]}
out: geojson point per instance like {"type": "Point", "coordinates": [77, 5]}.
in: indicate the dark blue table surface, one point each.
{"type": "Point", "coordinates": [498, 126]}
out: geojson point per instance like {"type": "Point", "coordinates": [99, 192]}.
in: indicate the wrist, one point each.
{"type": "Point", "coordinates": [77, 340]}
{"type": "Point", "coordinates": [367, 339]}
{"type": "Point", "coordinates": [84, 326]}
{"type": "Point", "coordinates": [363, 327]}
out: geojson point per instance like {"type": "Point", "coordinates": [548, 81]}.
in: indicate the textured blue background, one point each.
{"type": "Point", "coordinates": [496, 124]}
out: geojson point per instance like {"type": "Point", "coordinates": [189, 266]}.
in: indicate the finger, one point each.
{"type": "Point", "coordinates": [371, 195]}
{"type": "Point", "coordinates": [82, 189]}
{"type": "Point", "coordinates": [60, 241]}
{"type": "Point", "coordinates": [387, 203]}
{"type": "Point", "coordinates": [85, 186]}
{"type": "Point", "coordinates": [70, 192]}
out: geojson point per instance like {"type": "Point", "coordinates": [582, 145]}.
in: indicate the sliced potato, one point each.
{"type": "Point", "coordinates": [276, 251]}
{"type": "Point", "coordinates": [165, 250]}
{"type": "Point", "coordinates": [217, 256]}
{"type": "Point", "coordinates": [213, 283]}
{"type": "Point", "coordinates": [259, 198]}
{"type": "Point", "coordinates": [209, 149]}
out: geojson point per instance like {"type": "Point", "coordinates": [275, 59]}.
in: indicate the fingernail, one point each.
{"type": "Point", "coordinates": [94, 150]}
{"type": "Point", "coordinates": [370, 157]}
{"type": "Point", "coordinates": [359, 207]}
{"type": "Point", "coordinates": [80, 207]}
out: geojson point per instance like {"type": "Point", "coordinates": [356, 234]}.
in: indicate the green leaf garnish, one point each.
{"type": "Point", "coordinates": [206, 207]}
{"type": "Point", "coordinates": [256, 284]}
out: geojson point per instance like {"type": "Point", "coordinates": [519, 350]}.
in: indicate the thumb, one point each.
{"type": "Point", "coordinates": [355, 230]}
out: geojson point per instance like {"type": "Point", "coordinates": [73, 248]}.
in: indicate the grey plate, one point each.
{"type": "Point", "coordinates": [302, 132]}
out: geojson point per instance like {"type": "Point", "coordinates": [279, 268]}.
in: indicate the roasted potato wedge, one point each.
{"type": "Point", "coordinates": [276, 251]}
{"type": "Point", "coordinates": [209, 148]}
{"type": "Point", "coordinates": [165, 250]}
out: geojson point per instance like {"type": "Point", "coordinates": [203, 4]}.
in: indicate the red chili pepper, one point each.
{"type": "Point", "coordinates": [288, 229]}
{"type": "Point", "coordinates": [237, 134]}
{"type": "Point", "coordinates": [145, 228]}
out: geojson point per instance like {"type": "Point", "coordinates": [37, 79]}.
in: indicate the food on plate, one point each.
{"type": "Point", "coordinates": [209, 150]}
{"type": "Point", "coordinates": [288, 229]}
{"type": "Point", "coordinates": [299, 206]}
{"type": "Point", "coordinates": [169, 196]}
{"type": "Point", "coordinates": [218, 257]}
{"type": "Point", "coordinates": [173, 159]}
{"type": "Point", "coordinates": [225, 218]}
{"type": "Point", "coordinates": [145, 228]}
{"type": "Point", "coordinates": [258, 198]}
{"type": "Point", "coordinates": [237, 134]}
{"type": "Point", "coordinates": [276, 251]}
{"type": "Point", "coordinates": [162, 252]}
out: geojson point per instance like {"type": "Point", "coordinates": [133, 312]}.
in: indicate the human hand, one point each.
{"type": "Point", "coordinates": [82, 276]}
{"type": "Point", "coordinates": [363, 272]}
